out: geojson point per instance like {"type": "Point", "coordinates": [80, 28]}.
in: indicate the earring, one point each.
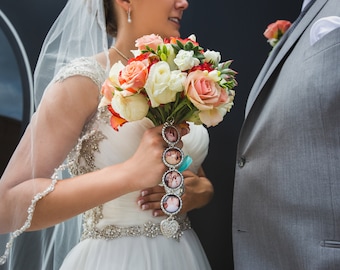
{"type": "Point", "coordinates": [129, 15]}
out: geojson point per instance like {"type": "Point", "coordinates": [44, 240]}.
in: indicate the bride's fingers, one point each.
{"type": "Point", "coordinates": [149, 196]}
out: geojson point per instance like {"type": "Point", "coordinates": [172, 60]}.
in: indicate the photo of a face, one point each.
{"type": "Point", "coordinates": [171, 135]}
{"type": "Point", "coordinates": [173, 156]}
{"type": "Point", "coordinates": [173, 179]}
{"type": "Point", "coordinates": [171, 204]}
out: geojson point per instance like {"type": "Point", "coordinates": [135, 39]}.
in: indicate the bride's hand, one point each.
{"type": "Point", "coordinates": [146, 166]}
{"type": "Point", "coordinates": [198, 192]}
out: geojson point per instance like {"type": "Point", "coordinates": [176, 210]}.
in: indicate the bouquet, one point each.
{"type": "Point", "coordinates": [170, 78]}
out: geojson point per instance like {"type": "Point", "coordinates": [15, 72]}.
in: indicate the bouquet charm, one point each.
{"type": "Point", "coordinates": [172, 179]}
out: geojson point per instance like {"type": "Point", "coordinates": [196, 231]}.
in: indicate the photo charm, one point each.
{"type": "Point", "coordinates": [170, 134]}
{"type": "Point", "coordinates": [171, 204]}
{"type": "Point", "coordinates": [173, 156]}
{"type": "Point", "coordinates": [172, 180]}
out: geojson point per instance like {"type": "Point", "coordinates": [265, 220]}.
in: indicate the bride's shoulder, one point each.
{"type": "Point", "coordinates": [83, 66]}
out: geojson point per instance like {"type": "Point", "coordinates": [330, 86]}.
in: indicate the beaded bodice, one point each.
{"type": "Point", "coordinates": [100, 146]}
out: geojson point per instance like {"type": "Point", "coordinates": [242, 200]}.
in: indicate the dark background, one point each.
{"type": "Point", "coordinates": [235, 28]}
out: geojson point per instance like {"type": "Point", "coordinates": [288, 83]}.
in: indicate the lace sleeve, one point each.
{"type": "Point", "coordinates": [84, 66]}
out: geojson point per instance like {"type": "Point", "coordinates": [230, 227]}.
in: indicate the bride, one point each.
{"type": "Point", "coordinates": [114, 177]}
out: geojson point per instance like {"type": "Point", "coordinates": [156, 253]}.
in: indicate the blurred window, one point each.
{"type": "Point", "coordinates": [16, 88]}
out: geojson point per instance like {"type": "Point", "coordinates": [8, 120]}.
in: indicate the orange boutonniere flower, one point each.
{"type": "Point", "coordinates": [275, 31]}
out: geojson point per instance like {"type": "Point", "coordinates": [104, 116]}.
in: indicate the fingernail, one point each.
{"type": "Point", "coordinates": [144, 193]}
{"type": "Point", "coordinates": [184, 128]}
{"type": "Point", "coordinates": [140, 202]}
{"type": "Point", "coordinates": [145, 207]}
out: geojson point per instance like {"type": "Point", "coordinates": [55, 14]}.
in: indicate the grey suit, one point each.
{"type": "Point", "coordinates": [286, 210]}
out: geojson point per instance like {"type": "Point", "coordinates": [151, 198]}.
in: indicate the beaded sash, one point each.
{"type": "Point", "coordinates": [148, 229]}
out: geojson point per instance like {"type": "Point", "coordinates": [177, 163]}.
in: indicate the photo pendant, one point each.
{"type": "Point", "coordinates": [172, 180]}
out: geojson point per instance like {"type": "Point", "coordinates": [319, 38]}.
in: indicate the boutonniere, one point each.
{"type": "Point", "coordinates": [275, 31]}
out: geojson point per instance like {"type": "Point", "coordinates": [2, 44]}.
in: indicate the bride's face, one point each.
{"type": "Point", "coordinates": [162, 17]}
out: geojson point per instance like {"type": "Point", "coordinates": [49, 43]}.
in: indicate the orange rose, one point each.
{"type": "Point", "coordinates": [107, 89]}
{"type": "Point", "coordinates": [133, 77]}
{"type": "Point", "coordinates": [192, 39]}
{"type": "Point", "coordinates": [276, 29]}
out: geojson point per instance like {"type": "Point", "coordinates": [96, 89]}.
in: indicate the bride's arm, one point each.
{"type": "Point", "coordinates": [51, 135]}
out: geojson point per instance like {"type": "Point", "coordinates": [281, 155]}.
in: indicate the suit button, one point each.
{"type": "Point", "coordinates": [241, 162]}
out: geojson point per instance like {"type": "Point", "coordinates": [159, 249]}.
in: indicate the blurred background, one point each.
{"type": "Point", "coordinates": [235, 28]}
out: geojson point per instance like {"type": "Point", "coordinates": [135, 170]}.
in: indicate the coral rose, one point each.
{"type": "Point", "coordinates": [133, 76]}
{"type": "Point", "coordinates": [275, 31]}
{"type": "Point", "coordinates": [107, 91]}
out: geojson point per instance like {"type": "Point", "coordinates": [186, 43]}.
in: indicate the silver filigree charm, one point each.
{"type": "Point", "coordinates": [169, 227]}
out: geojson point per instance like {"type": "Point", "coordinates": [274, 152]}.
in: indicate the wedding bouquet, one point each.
{"type": "Point", "coordinates": [169, 79]}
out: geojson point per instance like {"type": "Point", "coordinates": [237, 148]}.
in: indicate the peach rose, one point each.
{"type": "Point", "coordinates": [276, 29]}
{"type": "Point", "coordinates": [133, 77]}
{"type": "Point", "coordinates": [207, 96]}
{"type": "Point", "coordinates": [215, 116]}
{"type": "Point", "coordinates": [107, 91]}
{"type": "Point", "coordinates": [151, 41]}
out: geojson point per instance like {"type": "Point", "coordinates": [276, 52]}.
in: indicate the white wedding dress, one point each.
{"type": "Point", "coordinates": [118, 234]}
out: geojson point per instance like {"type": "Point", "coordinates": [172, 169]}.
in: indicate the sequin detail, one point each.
{"type": "Point", "coordinates": [110, 232]}
{"type": "Point", "coordinates": [81, 158]}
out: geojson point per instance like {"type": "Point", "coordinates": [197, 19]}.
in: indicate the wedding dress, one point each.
{"type": "Point", "coordinates": [118, 234]}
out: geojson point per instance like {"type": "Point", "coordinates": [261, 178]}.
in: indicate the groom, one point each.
{"type": "Point", "coordinates": [286, 210]}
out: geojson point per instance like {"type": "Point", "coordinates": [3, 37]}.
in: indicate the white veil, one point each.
{"type": "Point", "coordinates": [79, 30]}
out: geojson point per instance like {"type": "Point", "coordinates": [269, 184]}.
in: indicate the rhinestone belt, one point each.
{"type": "Point", "coordinates": [148, 229]}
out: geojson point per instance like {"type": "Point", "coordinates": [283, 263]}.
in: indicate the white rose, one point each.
{"type": "Point", "coordinates": [177, 79]}
{"type": "Point", "coordinates": [192, 37]}
{"type": "Point", "coordinates": [212, 56]}
{"type": "Point", "coordinates": [171, 56]}
{"type": "Point", "coordinates": [157, 84]}
{"type": "Point", "coordinates": [214, 75]}
{"type": "Point", "coordinates": [185, 60]}
{"type": "Point", "coordinates": [104, 102]}
{"type": "Point", "coordinates": [136, 52]}
{"type": "Point", "coordinates": [114, 73]}
{"type": "Point", "coordinates": [131, 108]}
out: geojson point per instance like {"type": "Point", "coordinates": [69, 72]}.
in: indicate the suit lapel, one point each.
{"type": "Point", "coordinates": [280, 51]}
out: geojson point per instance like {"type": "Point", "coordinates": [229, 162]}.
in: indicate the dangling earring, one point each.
{"type": "Point", "coordinates": [129, 15]}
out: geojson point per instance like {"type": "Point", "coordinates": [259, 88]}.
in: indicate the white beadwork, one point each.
{"type": "Point", "coordinates": [30, 212]}
{"type": "Point", "coordinates": [148, 229]}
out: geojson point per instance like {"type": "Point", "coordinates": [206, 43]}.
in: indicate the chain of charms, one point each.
{"type": "Point", "coordinates": [172, 180]}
